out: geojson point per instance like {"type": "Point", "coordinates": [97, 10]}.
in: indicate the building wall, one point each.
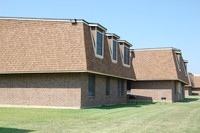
{"type": "Point", "coordinates": [188, 91]}
{"type": "Point", "coordinates": [59, 90]}
{"type": "Point", "coordinates": [100, 97]}
{"type": "Point", "coordinates": [152, 90]}
{"type": "Point", "coordinates": [178, 91]}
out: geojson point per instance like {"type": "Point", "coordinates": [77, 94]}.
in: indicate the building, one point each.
{"type": "Point", "coordinates": [62, 63]}
{"type": "Point", "coordinates": [160, 73]}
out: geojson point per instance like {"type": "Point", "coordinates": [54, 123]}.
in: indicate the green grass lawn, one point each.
{"type": "Point", "coordinates": [181, 117]}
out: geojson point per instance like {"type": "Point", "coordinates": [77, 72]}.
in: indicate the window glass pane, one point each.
{"type": "Point", "coordinates": [99, 43]}
{"type": "Point", "coordinates": [179, 62]}
{"type": "Point", "coordinates": [107, 86]}
{"type": "Point", "coordinates": [120, 87]}
{"type": "Point", "coordinates": [114, 50]}
{"type": "Point", "coordinates": [126, 56]}
{"type": "Point", "coordinates": [91, 85]}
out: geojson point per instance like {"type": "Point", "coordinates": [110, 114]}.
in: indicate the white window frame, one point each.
{"type": "Point", "coordinates": [126, 65]}
{"type": "Point", "coordinates": [114, 61]}
{"type": "Point", "coordinates": [97, 55]}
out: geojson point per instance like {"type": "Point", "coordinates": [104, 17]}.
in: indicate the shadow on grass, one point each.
{"type": "Point", "coordinates": [14, 130]}
{"type": "Point", "coordinates": [187, 100]}
{"type": "Point", "coordinates": [129, 105]}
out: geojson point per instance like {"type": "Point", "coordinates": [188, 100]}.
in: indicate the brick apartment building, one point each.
{"type": "Point", "coordinates": [69, 63]}
{"type": "Point", "coordinates": [62, 63]}
{"type": "Point", "coordinates": [161, 73]}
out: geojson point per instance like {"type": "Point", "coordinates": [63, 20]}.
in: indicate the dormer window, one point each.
{"type": "Point", "coordinates": [114, 50]}
{"type": "Point", "coordinates": [125, 52]}
{"type": "Point", "coordinates": [97, 34]}
{"type": "Point", "coordinates": [100, 44]}
{"type": "Point", "coordinates": [178, 57]}
{"type": "Point", "coordinates": [113, 46]}
{"type": "Point", "coordinates": [185, 66]}
{"type": "Point", "coordinates": [126, 55]}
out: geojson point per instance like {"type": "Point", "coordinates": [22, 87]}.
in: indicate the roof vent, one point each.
{"type": "Point", "coordinates": [73, 21]}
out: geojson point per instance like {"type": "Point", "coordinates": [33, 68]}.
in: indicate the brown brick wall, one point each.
{"type": "Point", "coordinates": [100, 97]}
{"type": "Point", "coordinates": [178, 91]}
{"type": "Point", "coordinates": [188, 91]}
{"type": "Point", "coordinates": [105, 65]}
{"type": "Point", "coordinates": [62, 90]}
{"type": "Point", "coordinates": [152, 90]}
{"type": "Point", "coordinates": [35, 45]}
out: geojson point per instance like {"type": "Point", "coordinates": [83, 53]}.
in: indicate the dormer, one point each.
{"type": "Point", "coordinates": [178, 59]}
{"type": "Point", "coordinates": [185, 66]}
{"type": "Point", "coordinates": [97, 35]}
{"type": "Point", "coordinates": [113, 46]}
{"type": "Point", "coordinates": [125, 52]}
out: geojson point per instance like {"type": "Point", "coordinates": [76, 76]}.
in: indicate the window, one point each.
{"type": "Point", "coordinates": [99, 44]}
{"type": "Point", "coordinates": [91, 85]}
{"type": "Point", "coordinates": [126, 55]}
{"type": "Point", "coordinates": [107, 86]}
{"type": "Point", "coordinates": [97, 33]}
{"type": "Point", "coordinates": [120, 87]}
{"type": "Point", "coordinates": [114, 50]}
{"type": "Point", "coordinates": [185, 66]}
{"type": "Point", "coordinates": [179, 61]}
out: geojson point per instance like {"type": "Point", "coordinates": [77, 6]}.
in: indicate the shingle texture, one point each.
{"type": "Point", "coordinates": [105, 65]}
{"type": "Point", "coordinates": [29, 46]}
{"type": "Point", "coordinates": [158, 64]}
{"type": "Point", "coordinates": [53, 46]}
{"type": "Point", "coordinates": [196, 81]}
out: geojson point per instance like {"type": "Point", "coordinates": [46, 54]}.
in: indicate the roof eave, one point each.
{"type": "Point", "coordinates": [112, 35]}
{"type": "Point", "coordinates": [124, 41]}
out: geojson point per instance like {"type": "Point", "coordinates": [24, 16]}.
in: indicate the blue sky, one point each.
{"type": "Point", "coordinates": [144, 23]}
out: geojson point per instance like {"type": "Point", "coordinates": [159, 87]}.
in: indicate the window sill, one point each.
{"type": "Point", "coordinates": [126, 65]}
{"type": "Point", "coordinates": [114, 61]}
{"type": "Point", "coordinates": [91, 96]}
{"type": "Point", "coordinates": [98, 56]}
